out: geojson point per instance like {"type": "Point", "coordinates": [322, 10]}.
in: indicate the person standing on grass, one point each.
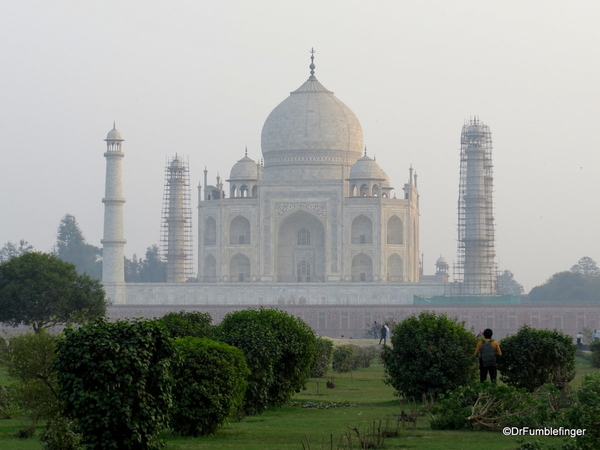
{"type": "Point", "coordinates": [374, 330]}
{"type": "Point", "coordinates": [579, 341]}
{"type": "Point", "coordinates": [383, 334]}
{"type": "Point", "coordinates": [487, 350]}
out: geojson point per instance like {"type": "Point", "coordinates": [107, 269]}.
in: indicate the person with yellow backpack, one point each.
{"type": "Point", "coordinates": [487, 350]}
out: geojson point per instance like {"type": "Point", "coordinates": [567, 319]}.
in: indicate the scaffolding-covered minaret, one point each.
{"type": "Point", "coordinates": [113, 242]}
{"type": "Point", "coordinates": [476, 268]}
{"type": "Point", "coordinates": [176, 230]}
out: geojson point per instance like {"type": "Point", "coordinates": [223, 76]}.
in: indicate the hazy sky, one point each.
{"type": "Point", "coordinates": [199, 78]}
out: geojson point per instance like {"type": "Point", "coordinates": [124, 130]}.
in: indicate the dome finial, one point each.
{"type": "Point", "coordinates": [365, 151]}
{"type": "Point", "coordinates": [246, 153]}
{"type": "Point", "coordinates": [312, 62]}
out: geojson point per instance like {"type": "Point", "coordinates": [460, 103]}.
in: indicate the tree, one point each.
{"type": "Point", "coordinates": [567, 287]}
{"type": "Point", "coordinates": [29, 359]}
{"type": "Point", "coordinates": [115, 380]}
{"type": "Point", "coordinates": [279, 348]}
{"type": "Point", "coordinates": [41, 290]}
{"type": "Point", "coordinates": [587, 267]}
{"type": "Point", "coordinates": [344, 359]}
{"type": "Point", "coordinates": [322, 358]}
{"type": "Point", "coordinates": [132, 269]}
{"type": "Point", "coordinates": [430, 355]}
{"type": "Point", "coordinates": [153, 269]}
{"type": "Point", "coordinates": [183, 324]}
{"type": "Point", "coordinates": [210, 383]}
{"type": "Point", "coordinates": [11, 250]}
{"type": "Point", "coordinates": [72, 247]}
{"type": "Point", "coordinates": [507, 285]}
{"type": "Point", "coordinates": [534, 357]}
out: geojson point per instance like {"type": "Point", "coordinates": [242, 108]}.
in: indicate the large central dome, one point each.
{"type": "Point", "coordinates": [310, 135]}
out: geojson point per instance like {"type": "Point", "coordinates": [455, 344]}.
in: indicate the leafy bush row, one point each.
{"type": "Point", "coordinates": [120, 384]}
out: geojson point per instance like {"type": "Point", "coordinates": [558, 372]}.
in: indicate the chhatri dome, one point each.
{"type": "Point", "coordinates": [367, 168]}
{"type": "Point", "coordinates": [245, 169]}
{"type": "Point", "coordinates": [311, 135]}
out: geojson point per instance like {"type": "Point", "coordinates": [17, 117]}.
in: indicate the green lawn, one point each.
{"type": "Point", "coordinates": [357, 401]}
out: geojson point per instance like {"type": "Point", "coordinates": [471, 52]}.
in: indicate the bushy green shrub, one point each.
{"type": "Point", "coordinates": [344, 359]}
{"type": "Point", "coordinates": [595, 348]}
{"type": "Point", "coordinates": [29, 358]}
{"type": "Point", "coordinates": [483, 406]}
{"type": "Point", "coordinates": [60, 435]}
{"type": "Point", "coordinates": [322, 359]}
{"type": "Point", "coordinates": [364, 356]}
{"type": "Point", "coordinates": [534, 357]}
{"type": "Point", "coordinates": [210, 383]}
{"type": "Point", "coordinates": [115, 380]}
{"type": "Point", "coordinates": [430, 355]}
{"type": "Point", "coordinates": [184, 323]}
{"type": "Point", "coordinates": [279, 349]}
{"type": "Point", "coordinates": [585, 413]}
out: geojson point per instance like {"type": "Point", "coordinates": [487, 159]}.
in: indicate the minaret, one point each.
{"type": "Point", "coordinates": [113, 270]}
{"type": "Point", "coordinates": [176, 232]}
{"type": "Point", "coordinates": [476, 252]}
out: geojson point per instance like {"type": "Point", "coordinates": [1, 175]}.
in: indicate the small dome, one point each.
{"type": "Point", "coordinates": [476, 130]}
{"type": "Point", "coordinates": [441, 261]}
{"type": "Point", "coordinates": [244, 169]}
{"type": "Point", "coordinates": [366, 169]}
{"type": "Point", "coordinates": [114, 135]}
{"type": "Point", "coordinates": [176, 163]}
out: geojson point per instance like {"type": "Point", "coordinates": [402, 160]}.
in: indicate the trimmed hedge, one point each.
{"type": "Point", "coordinates": [210, 383]}
{"type": "Point", "coordinates": [430, 355]}
{"type": "Point", "coordinates": [115, 381]}
{"type": "Point", "coordinates": [279, 349]}
{"type": "Point", "coordinates": [534, 357]}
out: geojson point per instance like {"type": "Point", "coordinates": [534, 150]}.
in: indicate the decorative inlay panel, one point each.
{"type": "Point", "coordinates": [320, 209]}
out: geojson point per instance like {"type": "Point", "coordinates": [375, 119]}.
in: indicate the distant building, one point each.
{"type": "Point", "coordinates": [318, 212]}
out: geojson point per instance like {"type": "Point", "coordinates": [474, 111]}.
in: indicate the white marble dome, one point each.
{"type": "Point", "coordinates": [244, 169]}
{"type": "Point", "coordinates": [366, 169]}
{"type": "Point", "coordinates": [114, 135]}
{"type": "Point", "coordinates": [311, 127]}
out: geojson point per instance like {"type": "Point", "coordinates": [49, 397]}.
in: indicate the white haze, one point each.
{"type": "Point", "coordinates": [200, 78]}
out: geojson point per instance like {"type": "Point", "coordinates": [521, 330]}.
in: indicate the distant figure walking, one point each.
{"type": "Point", "coordinates": [487, 350]}
{"type": "Point", "coordinates": [383, 334]}
{"type": "Point", "coordinates": [374, 330]}
{"type": "Point", "coordinates": [579, 341]}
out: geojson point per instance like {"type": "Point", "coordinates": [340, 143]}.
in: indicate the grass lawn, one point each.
{"type": "Point", "coordinates": [357, 400]}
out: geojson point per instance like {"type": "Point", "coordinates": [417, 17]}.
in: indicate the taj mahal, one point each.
{"type": "Point", "coordinates": [317, 228]}
{"type": "Point", "coordinates": [316, 222]}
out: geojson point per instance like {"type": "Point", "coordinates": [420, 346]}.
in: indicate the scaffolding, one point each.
{"type": "Point", "coordinates": [476, 268]}
{"type": "Point", "coordinates": [176, 229]}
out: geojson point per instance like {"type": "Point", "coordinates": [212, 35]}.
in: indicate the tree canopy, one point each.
{"type": "Point", "coordinates": [10, 249]}
{"type": "Point", "coordinates": [587, 267]}
{"type": "Point", "coordinates": [507, 285]}
{"type": "Point", "coordinates": [567, 287]}
{"type": "Point", "coordinates": [72, 247]}
{"type": "Point", "coordinates": [430, 355]}
{"type": "Point", "coordinates": [152, 269]}
{"type": "Point", "coordinates": [41, 290]}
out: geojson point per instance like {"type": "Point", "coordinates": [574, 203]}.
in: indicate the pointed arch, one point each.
{"type": "Point", "coordinates": [395, 230]}
{"type": "Point", "coordinates": [239, 231]}
{"type": "Point", "coordinates": [300, 238]}
{"type": "Point", "coordinates": [210, 269]}
{"type": "Point", "coordinates": [395, 268]}
{"type": "Point", "coordinates": [210, 231]}
{"type": "Point", "coordinates": [239, 268]}
{"type": "Point", "coordinates": [362, 230]}
{"type": "Point", "coordinates": [362, 268]}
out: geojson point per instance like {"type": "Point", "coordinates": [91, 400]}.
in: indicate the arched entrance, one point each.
{"type": "Point", "coordinates": [300, 249]}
